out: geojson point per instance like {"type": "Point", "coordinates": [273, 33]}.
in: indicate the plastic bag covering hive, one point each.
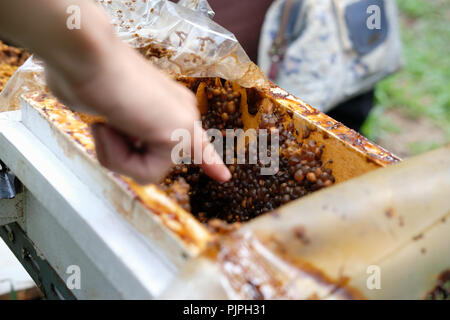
{"type": "Point", "coordinates": [179, 38]}
{"type": "Point", "coordinates": [331, 244]}
{"type": "Point", "coordinates": [28, 78]}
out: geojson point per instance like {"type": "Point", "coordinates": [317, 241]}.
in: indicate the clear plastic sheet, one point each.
{"type": "Point", "coordinates": [179, 38]}
{"type": "Point", "coordinates": [28, 78]}
{"type": "Point", "coordinates": [198, 5]}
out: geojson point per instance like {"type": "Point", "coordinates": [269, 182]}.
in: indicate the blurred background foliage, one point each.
{"type": "Point", "coordinates": [412, 113]}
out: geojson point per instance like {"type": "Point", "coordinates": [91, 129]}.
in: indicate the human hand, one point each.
{"type": "Point", "coordinates": [139, 102]}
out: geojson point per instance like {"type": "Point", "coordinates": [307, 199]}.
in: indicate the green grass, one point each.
{"type": "Point", "coordinates": [422, 87]}
{"type": "Point", "coordinates": [421, 147]}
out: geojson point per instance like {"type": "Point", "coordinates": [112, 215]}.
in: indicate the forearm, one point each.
{"type": "Point", "coordinates": [41, 26]}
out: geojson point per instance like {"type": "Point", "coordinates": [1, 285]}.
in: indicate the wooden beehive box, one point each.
{"type": "Point", "coordinates": [173, 230]}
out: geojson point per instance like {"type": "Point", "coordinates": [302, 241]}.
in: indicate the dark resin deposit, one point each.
{"type": "Point", "coordinates": [248, 194]}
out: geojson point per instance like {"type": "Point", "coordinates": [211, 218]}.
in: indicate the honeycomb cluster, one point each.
{"type": "Point", "coordinates": [224, 107]}
{"type": "Point", "coordinates": [248, 194]}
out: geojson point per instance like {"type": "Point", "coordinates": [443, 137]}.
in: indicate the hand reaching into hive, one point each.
{"type": "Point", "coordinates": [89, 69]}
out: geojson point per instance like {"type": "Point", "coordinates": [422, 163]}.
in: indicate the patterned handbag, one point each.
{"type": "Point", "coordinates": [328, 51]}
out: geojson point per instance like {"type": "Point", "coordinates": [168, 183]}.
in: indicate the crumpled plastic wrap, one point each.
{"type": "Point", "coordinates": [198, 5]}
{"type": "Point", "coordinates": [179, 38]}
{"type": "Point", "coordinates": [384, 235]}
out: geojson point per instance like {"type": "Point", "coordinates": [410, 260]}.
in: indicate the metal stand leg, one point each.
{"type": "Point", "coordinates": [51, 285]}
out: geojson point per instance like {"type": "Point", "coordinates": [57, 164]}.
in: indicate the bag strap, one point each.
{"type": "Point", "coordinates": [279, 45]}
